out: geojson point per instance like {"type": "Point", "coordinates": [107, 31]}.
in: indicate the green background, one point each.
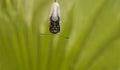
{"type": "Point", "coordinates": [93, 28]}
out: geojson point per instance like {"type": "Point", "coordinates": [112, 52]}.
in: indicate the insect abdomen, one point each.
{"type": "Point", "coordinates": [54, 27]}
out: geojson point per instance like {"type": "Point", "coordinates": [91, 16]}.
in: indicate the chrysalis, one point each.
{"type": "Point", "coordinates": [55, 18]}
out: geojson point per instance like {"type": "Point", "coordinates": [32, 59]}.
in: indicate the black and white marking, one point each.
{"type": "Point", "coordinates": [55, 18]}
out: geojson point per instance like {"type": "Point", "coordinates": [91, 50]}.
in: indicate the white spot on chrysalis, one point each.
{"type": "Point", "coordinates": [55, 11]}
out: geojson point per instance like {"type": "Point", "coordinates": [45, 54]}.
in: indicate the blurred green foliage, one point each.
{"type": "Point", "coordinates": [93, 28]}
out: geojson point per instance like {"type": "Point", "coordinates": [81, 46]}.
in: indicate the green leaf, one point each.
{"type": "Point", "coordinates": [89, 38]}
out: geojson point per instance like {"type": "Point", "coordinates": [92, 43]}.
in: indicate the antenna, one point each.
{"type": "Point", "coordinates": [58, 35]}
{"type": "Point", "coordinates": [63, 36]}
